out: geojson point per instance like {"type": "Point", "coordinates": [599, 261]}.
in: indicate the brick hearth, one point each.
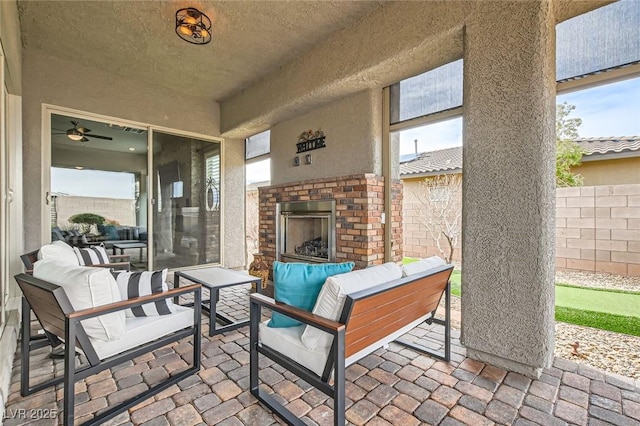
{"type": "Point", "coordinates": [359, 208]}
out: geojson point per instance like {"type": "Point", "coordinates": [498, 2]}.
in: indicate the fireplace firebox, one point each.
{"type": "Point", "coordinates": [306, 231]}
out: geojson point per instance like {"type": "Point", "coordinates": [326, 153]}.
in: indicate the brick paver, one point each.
{"type": "Point", "coordinates": [393, 386]}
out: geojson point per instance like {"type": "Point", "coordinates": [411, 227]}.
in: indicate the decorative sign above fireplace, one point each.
{"type": "Point", "coordinates": [310, 140]}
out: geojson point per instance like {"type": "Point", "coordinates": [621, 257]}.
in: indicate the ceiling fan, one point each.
{"type": "Point", "coordinates": [80, 134]}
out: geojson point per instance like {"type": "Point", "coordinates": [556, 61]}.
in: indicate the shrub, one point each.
{"type": "Point", "coordinates": [86, 221]}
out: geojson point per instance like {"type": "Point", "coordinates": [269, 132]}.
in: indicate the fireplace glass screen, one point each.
{"type": "Point", "coordinates": [307, 235]}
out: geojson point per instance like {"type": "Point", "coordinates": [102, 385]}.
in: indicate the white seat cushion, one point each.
{"type": "Point", "coordinates": [287, 342]}
{"type": "Point", "coordinates": [334, 292]}
{"type": "Point", "coordinates": [140, 330]}
{"type": "Point", "coordinates": [59, 251]}
{"type": "Point", "coordinates": [422, 265]}
{"type": "Point", "coordinates": [86, 287]}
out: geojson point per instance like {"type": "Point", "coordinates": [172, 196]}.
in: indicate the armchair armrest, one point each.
{"type": "Point", "coordinates": [126, 266]}
{"type": "Point", "coordinates": [130, 303]}
{"type": "Point", "coordinates": [301, 315]}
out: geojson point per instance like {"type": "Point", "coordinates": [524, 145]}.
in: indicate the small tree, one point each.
{"type": "Point", "coordinates": [568, 152]}
{"type": "Point", "coordinates": [441, 211]}
{"type": "Point", "coordinates": [85, 220]}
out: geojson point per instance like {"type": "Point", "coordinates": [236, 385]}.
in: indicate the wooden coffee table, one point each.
{"type": "Point", "coordinates": [213, 279]}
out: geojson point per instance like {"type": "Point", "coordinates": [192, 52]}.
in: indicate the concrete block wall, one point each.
{"type": "Point", "coordinates": [121, 210]}
{"type": "Point", "coordinates": [418, 241]}
{"type": "Point", "coordinates": [598, 229]}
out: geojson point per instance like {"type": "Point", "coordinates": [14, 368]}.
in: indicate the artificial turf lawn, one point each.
{"type": "Point", "coordinates": [617, 311]}
{"type": "Point", "coordinates": [613, 310]}
{"type": "Point", "coordinates": [625, 304]}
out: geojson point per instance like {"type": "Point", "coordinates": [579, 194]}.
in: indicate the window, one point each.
{"type": "Point", "coordinates": [212, 182]}
{"type": "Point", "coordinates": [433, 91]}
{"type": "Point", "coordinates": [602, 39]}
{"type": "Point", "coordinates": [258, 145]}
{"type": "Point", "coordinates": [257, 173]}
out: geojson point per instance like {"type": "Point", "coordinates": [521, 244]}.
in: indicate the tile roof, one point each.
{"type": "Point", "coordinates": [443, 160]}
{"type": "Point", "coordinates": [609, 145]}
{"type": "Point", "coordinates": [450, 159]}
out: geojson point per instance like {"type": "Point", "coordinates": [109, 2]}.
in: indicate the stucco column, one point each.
{"type": "Point", "coordinates": [508, 185]}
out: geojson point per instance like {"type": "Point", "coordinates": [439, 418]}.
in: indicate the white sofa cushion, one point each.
{"type": "Point", "coordinates": [422, 265]}
{"type": "Point", "coordinates": [86, 287]}
{"type": "Point", "coordinates": [59, 251]}
{"type": "Point", "coordinates": [333, 294]}
{"type": "Point", "coordinates": [140, 330]}
{"type": "Point", "coordinates": [287, 342]}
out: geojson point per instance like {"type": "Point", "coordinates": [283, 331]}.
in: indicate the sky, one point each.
{"type": "Point", "coordinates": [258, 171]}
{"type": "Point", "coordinates": [607, 110]}
{"type": "Point", "coordinates": [95, 183]}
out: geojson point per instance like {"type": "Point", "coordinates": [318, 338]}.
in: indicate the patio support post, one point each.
{"type": "Point", "coordinates": [509, 185]}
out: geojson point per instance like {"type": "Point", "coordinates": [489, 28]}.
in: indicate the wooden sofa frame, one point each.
{"type": "Point", "coordinates": [57, 317]}
{"type": "Point", "coordinates": [368, 317]}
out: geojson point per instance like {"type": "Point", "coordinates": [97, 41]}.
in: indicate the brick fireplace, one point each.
{"type": "Point", "coordinates": [359, 224]}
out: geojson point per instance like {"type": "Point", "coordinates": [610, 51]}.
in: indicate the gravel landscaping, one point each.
{"type": "Point", "coordinates": [608, 351]}
{"type": "Point", "coordinates": [614, 352]}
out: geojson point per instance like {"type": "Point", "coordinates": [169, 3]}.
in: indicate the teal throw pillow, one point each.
{"type": "Point", "coordinates": [298, 284]}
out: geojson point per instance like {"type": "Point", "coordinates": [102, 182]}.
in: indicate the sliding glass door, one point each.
{"type": "Point", "coordinates": [186, 201]}
{"type": "Point", "coordinates": [151, 195]}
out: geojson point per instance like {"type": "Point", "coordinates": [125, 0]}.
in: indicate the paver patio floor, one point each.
{"type": "Point", "coordinates": [392, 386]}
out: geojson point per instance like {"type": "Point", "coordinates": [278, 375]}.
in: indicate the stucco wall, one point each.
{"type": "Point", "coordinates": [610, 172]}
{"type": "Point", "coordinates": [54, 81]}
{"type": "Point", "coordinates": [508, 227]}
{"type": "Point", "coordinates": [233, 197]}
{"type": "Point", "coordinates": [352, 127]}
{"type": "Point", "coordinates": [10, 39]}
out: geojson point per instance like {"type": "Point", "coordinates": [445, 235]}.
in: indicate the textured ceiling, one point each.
{"type": "Point", "coordinates": [121, 142]}
{"type": "Point", "coordinates": [137, 39]}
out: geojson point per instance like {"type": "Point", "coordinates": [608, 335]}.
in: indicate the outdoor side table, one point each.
{"type": "Point", "coordinates": [124, 246]}
{"type": "Point", "coordinates": [214, 279]}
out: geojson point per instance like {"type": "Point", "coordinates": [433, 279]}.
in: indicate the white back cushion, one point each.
{"type": "Point", "coordinates": [422, 265]}
{"type": "Point", "coordinates": [88, 256]}
{"type": "Point", "coordinates": [87, 287]}
{"type": "Point", "coordinates": [145, 283]}
{"type": "Point", "coordinates": [60, 252]}
{"type": "Point", "coordinates": [334, 292]}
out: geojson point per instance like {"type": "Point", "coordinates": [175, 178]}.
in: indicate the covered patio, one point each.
{"type": "Point", "coordinates": [292, 67]}
{"type": "Point", "coordinates": [393, 386]}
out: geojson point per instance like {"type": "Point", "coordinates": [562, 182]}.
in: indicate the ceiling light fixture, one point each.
{"type": "Point", "coordinates": [74, 134]}
{"type": "Point", "coordinates": [193, 26]}
{"type": "Point", "coordinates": [131, 148]}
